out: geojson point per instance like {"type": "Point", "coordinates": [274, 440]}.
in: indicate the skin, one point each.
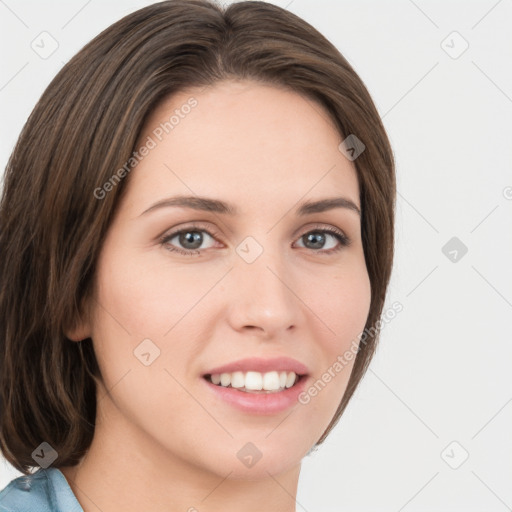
{"type": "Point", "coordinates": [161, 442]}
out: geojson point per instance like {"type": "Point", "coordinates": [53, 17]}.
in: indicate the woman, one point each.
{"type": "Point", "coordinates": [196, 236]}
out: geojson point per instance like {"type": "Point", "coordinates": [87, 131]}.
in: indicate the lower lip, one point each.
{"type": "Point", "coordinates": [259, 403]}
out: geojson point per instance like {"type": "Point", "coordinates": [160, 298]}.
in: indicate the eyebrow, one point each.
{"type": "Point", "coordinates": [216, 206]}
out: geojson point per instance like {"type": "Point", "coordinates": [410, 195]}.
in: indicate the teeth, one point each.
{"type": "Point", "coordinates": [255, 381]}
{"type": "Point", "coordinates": [225, 379]}
{"type": "Point", "coordinates": [271, 380]}
{"type": "Point", "coordinates": [237, 380]}
{"type": "Point", "coordinates": [290, 380]}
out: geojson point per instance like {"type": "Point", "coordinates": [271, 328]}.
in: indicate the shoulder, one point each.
{"type": "Point", "coordinates": [24, 492]}
{"type": "Point", "coordinates": [46, 490]}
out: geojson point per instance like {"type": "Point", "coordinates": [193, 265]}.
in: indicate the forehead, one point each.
{"type": "Point", "coordinates": [257, 143]}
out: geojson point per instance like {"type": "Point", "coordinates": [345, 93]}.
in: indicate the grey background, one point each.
{"type": "Point", "coordinates": [440, 387]}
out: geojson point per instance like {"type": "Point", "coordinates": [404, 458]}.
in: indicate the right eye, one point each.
{"type": "Point", "coordinates": [190, 239]}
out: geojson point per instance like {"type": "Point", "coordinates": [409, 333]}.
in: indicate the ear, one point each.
{"type": "Point", "coordinates": [79, 332]}
{"type": "Point", "coordinates": [78, 329]}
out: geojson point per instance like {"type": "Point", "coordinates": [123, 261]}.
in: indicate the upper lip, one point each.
{"type": "Point", "coordinates": [261, 365]}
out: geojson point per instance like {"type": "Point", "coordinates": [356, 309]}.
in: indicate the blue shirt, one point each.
{"type": "Point", "coordinates": [46, 490]}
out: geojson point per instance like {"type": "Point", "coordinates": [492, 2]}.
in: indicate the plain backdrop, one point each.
{"type": "Point", "coordinates": [429, 428]}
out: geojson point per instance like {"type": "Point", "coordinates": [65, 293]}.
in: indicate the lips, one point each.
{"type": "Point", "coordinates": [261, 365]}
{"type": "Point", "coordinates": [260, 402]}
{"type": "Point", "coordinates": [256, 402]}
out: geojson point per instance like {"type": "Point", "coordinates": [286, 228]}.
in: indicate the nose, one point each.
{"type": "Point", "coordinates": [262, 299]}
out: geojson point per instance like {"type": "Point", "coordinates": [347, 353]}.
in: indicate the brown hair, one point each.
{"type": "Point", "coordinates": [84, 127]}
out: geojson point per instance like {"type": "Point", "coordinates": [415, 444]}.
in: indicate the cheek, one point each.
{"type": "Point", "coordinates": [342, 305]}
{"type": "Point", "coordinates": [136, 304]}
{"type": "Point", "coordinates": [142, 297]}
{"type": "Point", "coordinates": [147, 295]}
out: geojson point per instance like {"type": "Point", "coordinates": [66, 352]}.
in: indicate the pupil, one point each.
{"type": "Point", "coordinates": [188, 238]}
{"type": "Point", "coordinates": [315, 237]}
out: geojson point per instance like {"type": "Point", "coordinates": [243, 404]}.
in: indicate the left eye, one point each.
{"type": "Point", "coordinates": [191, 239]}
{"type": "Point", "coordinates": [319, 236]}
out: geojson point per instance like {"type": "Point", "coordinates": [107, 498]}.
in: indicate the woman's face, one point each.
{"type": "Point", "coordinates": [265, 282]}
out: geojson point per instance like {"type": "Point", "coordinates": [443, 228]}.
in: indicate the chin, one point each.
{"type": "Point", "coordinates": [255, 457]}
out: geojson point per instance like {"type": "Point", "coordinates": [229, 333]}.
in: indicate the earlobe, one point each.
{"type": "Point", "coordinates": [78, 330]}
{"type": "Point", "coordinates": [78, 333]}
{"type": "Point", "coordinates": [78, 327]}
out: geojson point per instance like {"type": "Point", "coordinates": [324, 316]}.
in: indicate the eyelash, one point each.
{"type": "Point", "coordinates": [343, 240]}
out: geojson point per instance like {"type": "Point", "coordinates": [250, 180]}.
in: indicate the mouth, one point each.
{"type": "Point", "coordinates": [256, 382]}
{"type": "Point", "coordinates": [255, 385]}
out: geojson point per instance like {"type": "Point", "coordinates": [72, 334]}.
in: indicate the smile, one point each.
{"type": "Point", "coordinates": [256, 402]}
{"type": "Point", "coordinates": [255, 382]}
